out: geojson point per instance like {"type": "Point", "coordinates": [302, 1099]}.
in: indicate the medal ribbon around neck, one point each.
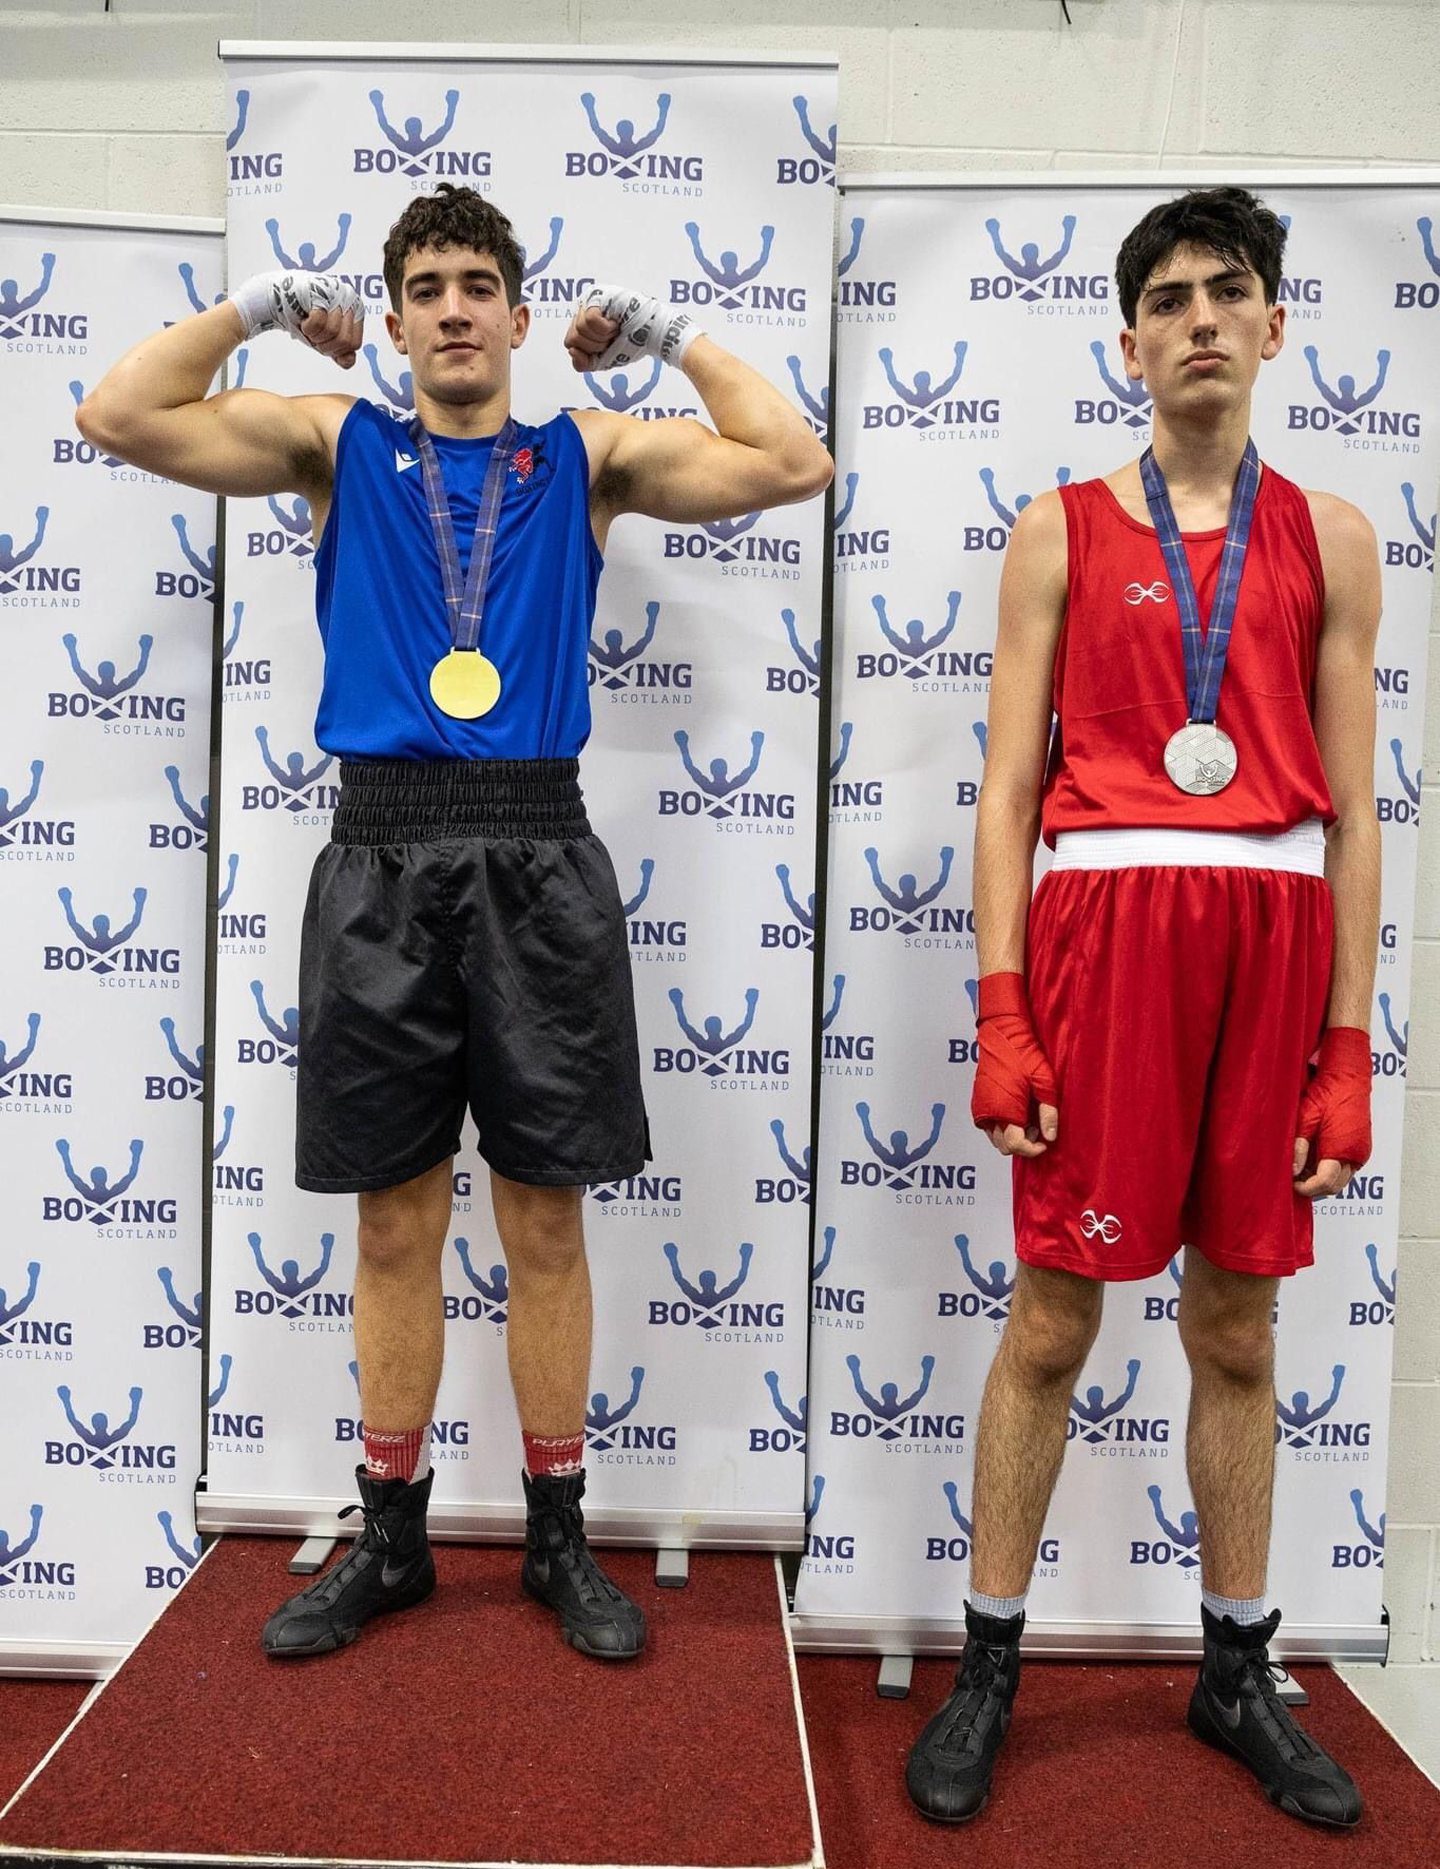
{"type": "Point", "coordinates": [464, 683]}
{"type": "Point", "coordinates": [1204, 657]}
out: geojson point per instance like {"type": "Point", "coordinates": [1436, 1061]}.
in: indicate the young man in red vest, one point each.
{"type": "Point", "coordinates": [1204, 631]}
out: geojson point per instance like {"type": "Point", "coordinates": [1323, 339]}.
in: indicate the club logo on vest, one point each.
{"type": "Point", "coordinates": [287, 1292]}
{"type": "Point", "coordinates": [487, 1299]}
{"type": "Point", "coordinates": [853, 799]}
{"type": "Point", "coordinates": [1410, 295]}
{"type": "Point", "coordinates": [834, 1305]}
{"type": "Point", "coordinates": [799, 932]}
{"type": "Point", "coordinates": [296, 786]}
{"type": "Point", "coordinates": [727, 285]}
{"type": "Point", "coordinates": [250, 171]}
{"type": "Point", "coordinates": [51, 331]}
{"type": "Point", "coordinates": [843, 1053]}
{"type": "Point", "coordinates": [108, 1451]}
{"type": "Point", "coordinates": [30, 1337]}
{"type": "Point", "coordinates": [186, 1083]}
{"type": "Point", "coordinates": [717, 1054]}
{"type": "Point", "coordinates": [989, 1296]}
{"type": "Point", "coordinates": [235, 1181]}
{"type": "Point", "coordinates": [827, 1553]}
{"type": "Point", "coordinates": [863, 299]}
{"type": "Point", "coordinates": [1353, 413]}
{"type": "Point", "coordinates": [33, 839]}
{"type": "Point", "coordinates": [727, 797]}
{"type": "Point", "coordinates": [1369, 1553]}
{"type": "Point", "coordinates": [629, 677]}
{"type": "Point", "coordinates": [893, 1419]}
{"type": "Point", "coordinates": [553, 294]}
{"type": "Point", "coordinates": [908, 910]}
{"type": "Point", "coordinates": [1179, 1545]}
{"type": "Point", "coordinates": [108, 1205]}
{"type": "Point", "coordinates": [1381, 1308]}
{"type": "Point", "coordinates": [290, 536]}
{"type": "Point", "coordinates": [923, 404]}
{"type": "Point", "coordinates": [419, 154]}
{"type": "Point", "coordinates": [193, 833]}
{"type": "Point", "coordinates": [615, 1436]}
{"type": "Point", "coordinates": [184, 1556]}
{"type": "Point", "coordinates": [107, 953]}
{"type": "Point", "coordinates": [123, 709]}
{"type": "Point", "coordinates": [632, 157]}
{"type": "Point", "coordinates": [26, 584]}
{"type": "Point", "coordinates": [26, 1579]}
{"type": "Point", "coordinates": [903, 1169]}
{"type": "Point", "coordinates": [916, 653]}
{"type": "Point", "coordinates": [1128, 403]}
{"type": "Point", "coordinates": [1037, 283]}
{"type": "Point", "coordinates": [819, 165]}
{"type": "Point", "coordinates": [792, 1188]}
{"type": "Point", "coordinates": [282, 1046]}
{"type": "Point", "coordinates": [181, 1330]}
{"type": "Point", "coordinates": [714, 1308]}
{"type": "Point", "coordinates": [1313, 1432]}
{"type": "Point", "coordinates": [789, 1438]}
{"type": "Point", "coordinates": [1108, 1426]}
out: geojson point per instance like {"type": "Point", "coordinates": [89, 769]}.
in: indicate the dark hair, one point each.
{"type": "Point", "coordinates": [1229, 222]}
{"type": "Point", "coordinates": [453, 217]}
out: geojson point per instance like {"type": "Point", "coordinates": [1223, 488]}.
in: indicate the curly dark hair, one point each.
{"type": "Point", "coordinates": [1229, 222]}
{"type": "Point", "coordinates": [454, 217]}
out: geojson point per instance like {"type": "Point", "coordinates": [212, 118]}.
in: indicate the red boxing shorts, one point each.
{"type": "Point", "coordinates": [1178, 984]}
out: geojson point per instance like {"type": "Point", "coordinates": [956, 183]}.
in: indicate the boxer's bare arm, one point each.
{"type": "Point", "coordinates": [152, 410]}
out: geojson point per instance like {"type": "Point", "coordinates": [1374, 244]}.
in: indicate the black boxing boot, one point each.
{"type": "Point", "coordinates": [951, 1763]}
{"type": "Point", "coordinates": [388, 1566]}
{"type": "Point", "coordinates": [560, 1571]}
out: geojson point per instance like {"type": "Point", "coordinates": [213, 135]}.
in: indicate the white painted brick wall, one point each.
{"type": "Point", "coordinates": [126, 110]}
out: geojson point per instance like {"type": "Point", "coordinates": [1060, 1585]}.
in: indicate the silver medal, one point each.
{"type": "Point", "coordinates": [1201, 758]}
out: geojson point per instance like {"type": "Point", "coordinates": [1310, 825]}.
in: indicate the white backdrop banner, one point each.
{"type": "Point", "coordinates": [713, 184]}
{"type": "Point", "coordinates": [978, 364]}
{"type": "Point", "coordinates": [107, 590]}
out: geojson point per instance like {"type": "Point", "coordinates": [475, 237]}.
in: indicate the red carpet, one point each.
{"type": "Point", "coordinates": [462, 1731]}
{"type": "Point", "coordinates": [1099, 1772]}
{"type": "Point", "coordinates": [33, 1715]}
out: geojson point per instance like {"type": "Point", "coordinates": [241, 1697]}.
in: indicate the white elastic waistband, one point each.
{"type": "Point", "coordinates": [1301, 849]}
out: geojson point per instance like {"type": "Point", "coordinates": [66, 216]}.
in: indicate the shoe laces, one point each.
{"type": "Point", "coordinates": [1257, 1671]}
{"type": "Point", "coordinates": [375, 1534]}
{"type": "Point", "coordinates": [979, 1681]}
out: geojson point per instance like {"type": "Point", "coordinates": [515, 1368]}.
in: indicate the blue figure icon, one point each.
{"type": "Point", "coordinates": [12, 1063]}
{"type": "Point", "coordinates": [296, 521]}
{"type": "Point", "coordinates": [196, 298]}
{"type": "Point", "coordinates": [817, 1493]}
{"type": "Point", "coordinates": [10, 813]}
{"type": "Point", "coordinates": [601, 1418]}
{"type": "Point", "coordinates": [9, 1312]}
{"type": "Point", "coordinates": [924, 393]}
{"type": "Point", "coordinates": [857, 234]}
{"type": "Point", "coordinates": [305, 261]}
{"type": "Point", "coordinates": [809, 659]}
{"type": "Point", "coordinates": [1425, 534]}
{"type": "Point", "coordinates": [804, 913]}
{"type": "Point", "coordinates": [1411, 787]}
{"type": "Point", "coordinates": [613, 656]}
{"type": "Point", "coordinates": [533, 268]}
{"type": "Point", "coordinates": [720, 784]}
{"type": "Point", "coordinates": [216, 1395]}
{"type": "Point", "coordinates": [1030, 267]}
{"type": "Point", "coordinates": [196, 815]}
{"type": "Point", "coordinates": [890, 1405]}
{"type": "Point", "coordinates": [1299, 1416]}
{"type": "Point", "coordinates": [194, 1068]}
{"type": "Point", "coordinates": [238, 617]}
{"type": "Point", "coordinates": [713, 1042]}
{"type": "Point", "coordinates": [1133, 397]}
{"type": "Point", "coordinates": [797, 1417]}
{"type": "Point", "coordinates": [708, 1294]}
{"type": "Point", "coordinates": [972, 993]}
{"type": "Point", "coordinates": [725, 531]}
{"type": "Point", "coordinates": [77, 393]}
{"type": "Point", "coordinates": [897, 1155]}
{"type": "Point", "coordinates": [843, 511]}
{"type": "Point", "coordinates": [104, 684]}
{"type": "Point", "coordinates": [952, 1499]}
{"type": "Point", "coordinates": [189, 1556]}
{"type": "Point", "coordinates": [1399, 1039]}
{"type": "Point", "coordinates": [189, 1314]}
{"type": "Point", "coordinates": [288, 1284]}
{"type": "Point", "coordinates": [401, 394]}
{"type": "Point", "coordinates": [99, 1437]}
{"type": "Point", "coordinates": [847, 728]}
{"type": "Point", "coordinates": [821, 1265]}
{"type": "Point", "coordinates": [1375, 1533]}
{"type": "Point", "coordinates": [412, 141]}
{"type": "Point", "coordinates": [232, 863]}
{"type": "Point", "coordinates": [906, 898]}
{"type": "Point", "coordinates": [1427, 241]}
{"type": "Point", "coordinates": [1022, 500]}
{"type": "Point", "coordinates": [982, 737]}
{"type": "Point", "coordinates": [294, 775]}
{"type": "Point", "coordinates": [1093, 1415]}
{"type": "Point", "coordinates": [203, 563]}
{"type": "Point", "coordinates": [622, 143]}
{"type": "Point", "coordinates": [824, 146]}
{"type": "Point", "coordinates": [10, 559]}
{"type": "Point", "coordinates": [996, 1285]}
{"type": "Point", "coordinates": [242, 112]}
{"type": "Point", "coordinates": [1385, 1287]}
{"type": "Point", "coordinates": [242, 364]}
{"type": "Point", "coordinates": [99, 1191]}
{"type": "Point", "coordinates": [1185, 1536]}
{"type": "Point", "coordinates": [227, 1117]}
{"type": "Point", "coordinates": [816, 405]}
{"type": "Point", "coordinates": [495, 1290]}
{"type": "Point", "coordinates": [799, 1165]}
{"type": "Point", "coordinates": [647, 871]}
{"type": "Point", "coordinates": [101, 939]}
{"type": "Point", "coordinates": [914, 643]}
{"type": "Point", "coordinates": [1344, 398]}
{"type": "Point", "coordinates": [617, 394]}
{"type": "Point", "coordinates": [285, 1030]}
{"type": "Point", "coordinates": [828, 1018]}
{"type": "Point", "coordinates": [1174, 1270]}
{"type": "Point", "coordinates": [11, 1554]}
{"type": "Point", "coordinates": [727, 272]}
{"type": "Point", "coordinates": [12, 305]}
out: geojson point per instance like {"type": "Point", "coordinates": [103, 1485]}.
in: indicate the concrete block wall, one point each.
{"type": "Point", "coordinates": [122, 106]}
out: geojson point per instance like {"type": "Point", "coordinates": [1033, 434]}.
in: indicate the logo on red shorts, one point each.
{"type": "Point", "coordinates": [1106, 1225]}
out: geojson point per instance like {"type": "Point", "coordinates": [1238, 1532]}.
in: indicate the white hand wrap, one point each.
{"type": "Point", "coordinates": [283, 301]}
{"type": "Point", "coordinates": [647, 328]}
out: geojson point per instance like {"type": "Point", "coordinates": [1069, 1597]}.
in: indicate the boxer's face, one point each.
{"type": "Point", "coordinates": [455, 324]}
{"type": "Point", "coordinates": [1202, 329]}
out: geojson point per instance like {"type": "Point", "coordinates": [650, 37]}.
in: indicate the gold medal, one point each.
{"type": "Point", "coordinates": [464, 684]}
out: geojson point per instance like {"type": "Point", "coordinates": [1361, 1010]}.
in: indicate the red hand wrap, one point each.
{"type": "Point", "coordinates": [1335, 1109]}
{"type": "Point", "coordinates": [1012, 1073]}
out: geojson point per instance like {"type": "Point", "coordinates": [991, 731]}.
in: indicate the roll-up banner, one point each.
{"type": "Point", "coordinates": [107, 598]}
{"type": "Point", "coordinates": [978, 365]}
{"type": "Point", "coordinates": [711, 183]}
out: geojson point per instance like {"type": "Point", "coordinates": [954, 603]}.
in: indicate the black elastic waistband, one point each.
{"type": "Point", "coordinates": [409, 801]}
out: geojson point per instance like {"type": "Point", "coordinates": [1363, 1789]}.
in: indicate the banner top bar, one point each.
{"type": "Point", "coordinates": [961, 179]}
{"type": "Point", "coordinates": [383, 51]}
{"type": "Point", "coordinates": [114, 218]}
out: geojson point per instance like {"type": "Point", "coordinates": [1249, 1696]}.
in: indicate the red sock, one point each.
{"type": "Point", "coordinates": [396, 1455]}
{"type": "Point", "coordinates": [555, 1454]}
